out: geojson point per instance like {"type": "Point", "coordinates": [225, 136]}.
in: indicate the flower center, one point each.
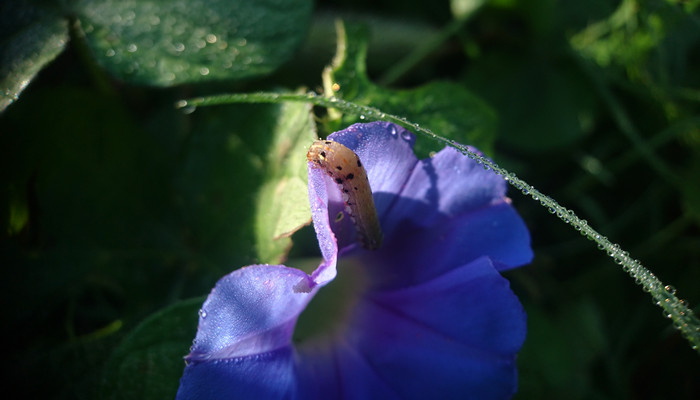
{"type": "Point", "coordinates": [332, 304]}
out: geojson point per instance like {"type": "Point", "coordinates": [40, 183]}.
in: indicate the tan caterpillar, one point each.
{"type": "Point", "coordinates": [344, 166]}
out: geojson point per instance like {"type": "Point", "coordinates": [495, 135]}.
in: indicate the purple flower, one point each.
{"type": "Point", "coordinates": [435, 319]}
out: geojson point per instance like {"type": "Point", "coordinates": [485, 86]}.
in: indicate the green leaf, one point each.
{"type": "Point", "coordinates": [549, 365]}
{"type": "Point", "coordinates": [166, 42]}
{"type": "Point", "coordinates": [283, 203]}
{"type": "Point", "coordinates": [465, 8]}
{"type": "Point", "coordinates": [222, 171]}
{"type": "Point", "coordinates": [148, 363]}
{"type": "Point", "coordinates": [244, 181]}
{"type": "Point", "coordinates": [447, 108]}
{"type": "Point", "coordinates": [31, 38]}
{"type": "Point", "coordinates": [543, 104]}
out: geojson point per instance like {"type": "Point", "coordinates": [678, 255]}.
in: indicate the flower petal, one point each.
{"type": "Point", "coordinates": [386, 151]}
{"type": "Point", "coordinates": [331, 369]}
{"type": "Point", "coordinates": [250, 311]}
{"type": "Point", "coordinates": [325, 198]}
{"type": "Point", "coordinates": [496, 231]}
{"type": "Point", "coordinates": [446, 185]}
{"type": "Point", "coordinates": [267, 376]}
{"type": "Point", "coordinates": [455, 336]}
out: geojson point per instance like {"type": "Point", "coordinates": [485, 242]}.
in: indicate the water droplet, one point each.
{"type": "Point", "coordinates": [188, 110]}
{"type": "Point", "coordinates": [131, 47]}
{"type": "Point", "coordinates": [670, 289]}
{"type": "Point", "coordinates": [204, 71]}
{"type": "Point", "coordinates": [110, 53]}
{"type": "Point", "coordinates": [406, 135]}
{"type": "Point", "coordinates": [362, 116]}
{"type": "Point", "coordinates": [179, 47]}
{"type": "Point", "coordinates": [211, 38]}
{"type": "Point", "coordinates": [202, 313]}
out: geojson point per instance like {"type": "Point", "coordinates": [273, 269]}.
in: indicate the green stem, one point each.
{"type": "Point", "coordinates": [665, 296]}
{"type": "Point", "coordinates": [419, 53]}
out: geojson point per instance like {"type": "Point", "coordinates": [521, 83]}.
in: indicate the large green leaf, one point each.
{"type": "Point", "coordinates": [30, 38]}
{"type": "Point", "coordinates": [170, 42]}
{"type": "Point", "coordinates": [446, 108]}
{"type": "Point", "coordinates": [244, 181]}
{"type": "Point", "coordinates": [145, 365]}
{"type": "Point", "coordinates": [283, 202]}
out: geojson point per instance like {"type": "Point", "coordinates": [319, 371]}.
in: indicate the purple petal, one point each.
{"type": "Point", "coordinates": [252, 310]}
{"type": "Point", "coordinates": [446, 185]}
{"type": "Point", "coordinates": [325, 198]}
{"type": "Point", "coordinates": [418, 255]}
{"type": "Point", "coordinates": [330, 369]}
{"type": "Point", "coordinates": [266, 376]}
{"type": "Point", "coordinates": [386, 151]}
{"type": "Point", "coordinates": [452, 337]}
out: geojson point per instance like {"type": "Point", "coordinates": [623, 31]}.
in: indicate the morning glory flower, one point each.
{"type": "Point", "coordinates": [434, 318]}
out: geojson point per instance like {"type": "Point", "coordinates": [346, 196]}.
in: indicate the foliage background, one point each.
{"type": "Point", "coordinates": [118, 208]}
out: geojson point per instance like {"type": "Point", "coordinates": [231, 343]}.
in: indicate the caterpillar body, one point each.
{"type": "Point", "coordinates": [345, 167]}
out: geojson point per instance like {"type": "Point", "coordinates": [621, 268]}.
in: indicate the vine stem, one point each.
{"type": "Point", "coordinates": [664, 296]}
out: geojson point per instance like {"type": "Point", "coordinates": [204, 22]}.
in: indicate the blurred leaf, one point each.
{"type": "Point", "coordinates": [145, 365]}
{"type": "Point", "coordinates": [543, 103]}
{"type": "Point", "coordinates": [557, 351]}
{"type": "Point", "coordinates": [221, 172]}
{"type": "Point", "coordinates": [171, 42]}
{"type": "Point", "coordinates": [283, 202]}
{"type": "Point", "coordinates": [86, 157]}
{"type": "Point", "coordinates": [691, 193]}
{"type": "Point", "coordinates": [624, 37]}
{"type": "Point", "coordinates": [30, 38]}
{"type": "Point", "coordinates": [244, 181]}
{"type": "Point", "coordinates": [444, 107]}
{"type": "Point", "coordinates": [465, 8]}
